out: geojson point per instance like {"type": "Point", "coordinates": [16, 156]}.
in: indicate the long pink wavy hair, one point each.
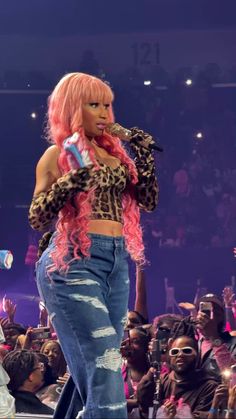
{"type": "Point", "coordinates": [65, 118]}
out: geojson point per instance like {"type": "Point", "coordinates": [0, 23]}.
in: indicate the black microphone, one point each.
{"type": "Point", "coordinates": [116, 130]}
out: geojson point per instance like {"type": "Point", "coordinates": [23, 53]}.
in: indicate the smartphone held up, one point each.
{"type": "Point", "coordinates": [41, 333]}
{"type": "Point", "coordinates": [207, 308]}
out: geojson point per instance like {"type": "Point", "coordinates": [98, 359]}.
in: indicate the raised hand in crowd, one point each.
{"type": "Point", "coordinates": [170, 408]}
{"type": "Point", "coordinates": [43, 315]}
{"type": "Point", "coordinates": [231, 414]}
{"type": "Point", "coordinates": [230, 305]}
{"type": "Point", "coordinates": [219, 401]}
{"type": "Point", "coordinates": [62, 380]}
{"type": "Point", "coordinates": [207, 326]}
{"type": "Point", "coordinates": [141, 305]}
{"type": "Point", "coordinates": [25, 341]}
{"type": "Point", "coordinates": [10, 308]}
{"type": "Point", "coordinates": [228, 296]}
{"type": "Point", "coordinates": [188, 307]}
{"type": "Point", "coordinates": [139, 315]}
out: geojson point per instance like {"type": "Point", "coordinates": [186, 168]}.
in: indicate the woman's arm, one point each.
{"type": "Point", "coordinates": [141, 295]}
{"type": "Point", "coordinates": [53, 191]}
{"type": "Point", "coordinates": [47, 170]}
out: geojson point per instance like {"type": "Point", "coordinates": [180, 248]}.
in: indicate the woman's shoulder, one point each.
{"type": "Point", "coordinates": [48, 162]}
{"type": "Point", "coordinates": [50, 156]}
{"type": "Point", "coordinates": [52, 152]}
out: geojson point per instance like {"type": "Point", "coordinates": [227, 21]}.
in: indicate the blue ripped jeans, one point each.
{"type": "Point", "coordinates": [88, 307]}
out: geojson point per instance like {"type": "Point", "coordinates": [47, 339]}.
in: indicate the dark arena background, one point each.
{"type": "Point", "coordinates": [172, 66]}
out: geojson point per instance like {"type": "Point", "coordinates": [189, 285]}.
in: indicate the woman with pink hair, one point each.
{"type": "Point", "coordinates": [88, 184]}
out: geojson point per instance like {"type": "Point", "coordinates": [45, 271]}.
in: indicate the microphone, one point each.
{"type": "Point", "coordinates": [116, 130]}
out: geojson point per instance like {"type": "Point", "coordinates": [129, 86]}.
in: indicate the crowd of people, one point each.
{"type": "Point", "coordinates": [202, 199]}
{"type": "Point", "coordinates": [174, 366]}
{"type": "Point", "coordinates": [196, 171]}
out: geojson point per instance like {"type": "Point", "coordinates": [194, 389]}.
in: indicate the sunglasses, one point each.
{"type": "Point", "coordinates": [187, 350]}
{"type": "Point", "coordinates": [40, 367]}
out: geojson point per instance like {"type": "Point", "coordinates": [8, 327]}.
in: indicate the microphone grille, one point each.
{"type": "Point", "coordinates": [116, 130]}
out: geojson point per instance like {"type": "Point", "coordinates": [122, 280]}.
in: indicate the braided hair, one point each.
{"type": "Point", "coordinates": [19, 365]}
{"type": "Point", "coordinates": [185, 327]}
{"type": "Point", "coordinates": [145, 335]}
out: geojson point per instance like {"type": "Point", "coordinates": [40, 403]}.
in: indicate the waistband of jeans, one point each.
{"type": "Point", "coordinates": [107, 242]}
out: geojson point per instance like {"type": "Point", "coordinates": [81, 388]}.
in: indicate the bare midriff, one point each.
{"type": "Point", "coordinates": [105, 227]}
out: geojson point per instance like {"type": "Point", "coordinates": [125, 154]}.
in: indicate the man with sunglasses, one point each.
{"type": "Point", "coordinates": [185, 383]}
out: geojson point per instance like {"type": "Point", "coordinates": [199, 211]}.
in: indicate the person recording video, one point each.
{"type": "Point", "coordinates": [217, 347]}
{"type": "Point", "coordinates": [186, 384]}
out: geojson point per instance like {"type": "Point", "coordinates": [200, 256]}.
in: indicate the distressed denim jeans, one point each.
{"type": "Point", "coordinates": [87, 307]}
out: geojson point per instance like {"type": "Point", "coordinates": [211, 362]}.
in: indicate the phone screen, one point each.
{"type": "Point", "coordinates": [41, 333]}
{"type": "Point", "coordinates": [207, 308]}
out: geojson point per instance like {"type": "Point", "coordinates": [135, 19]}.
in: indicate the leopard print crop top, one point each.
{"type": "Point", "coordinates": [107, 202]}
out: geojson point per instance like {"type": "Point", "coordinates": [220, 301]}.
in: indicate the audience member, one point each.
{"type": "Point", "coordinates": [186, 383]}
{"type": "Point", "coordinates": [26, 378]}
{"type": "Point", "coordinates": [134, 351]}
{"type": "Point", "coordinates": [56, 360]}
{"type": "Point", "coordinates": [12, 331]}
{"type": "Point", "coordinates": [217, 347]}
